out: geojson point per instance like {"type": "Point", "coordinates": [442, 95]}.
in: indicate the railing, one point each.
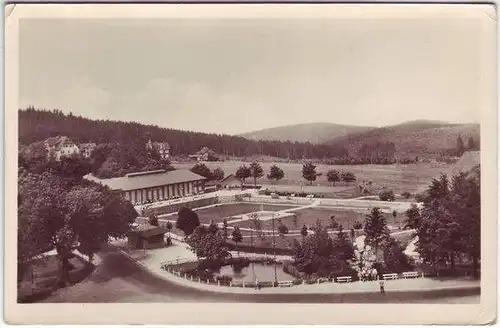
{"type": "Point", "coordinates": [390, 276]}
{"type": "Point", "coordinates": [344, 279]}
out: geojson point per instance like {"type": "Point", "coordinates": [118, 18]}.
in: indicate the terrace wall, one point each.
{"type": "Point", "coordinates": [281, 200]}
{"type": "Point", "coordinates": [172, 208]}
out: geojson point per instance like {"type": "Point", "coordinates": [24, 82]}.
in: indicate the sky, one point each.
{"type": "Point", "coordinates": [239, 75]}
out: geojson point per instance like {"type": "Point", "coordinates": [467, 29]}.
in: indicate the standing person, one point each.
{"type": "Point", "coordinates": [381, 284]}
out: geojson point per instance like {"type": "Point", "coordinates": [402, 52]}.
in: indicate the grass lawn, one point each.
{"type": "Point", "coordinates": [219, 212]}
{"type": "Point", "coordinates": [398, 177]}
{"type": "Point", "coordinates": [309, 216]}
{"type": "Point", "coordinates": [41, 279]}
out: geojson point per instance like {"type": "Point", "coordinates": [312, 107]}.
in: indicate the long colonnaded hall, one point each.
{"type": "Point", "coordinates": [158, 185]}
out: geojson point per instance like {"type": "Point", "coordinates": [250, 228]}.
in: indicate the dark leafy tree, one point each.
{"type": "Point", "coordinates": [236, 236]}
{"type": "Point", "coordinates": [412, 217]}
{"type": "Point", "coordinates": [333, 223]}
{"type": "Point", "coordinates": [218, 174]}
{"type": "Point", "coordinates": [343, 248]}
{"type": "Point", "coordinates": [256, 171]}
{"type": "Point", "coordinates": [208, 246]}
{"type": "Point", "coordinates": [333, 176]}
{"type": "Point", "coordinates": [282, 229]}
{"type": "Point", "coordinates": [449, 225]}
{"type": "Point", "coordinates": [309, 172]}
{"type": "Point", "coordinates": [203, 170]}
{"type": "Point", "coordinates": [275, 173]}
{"type": "Point", "coordinates": [71, 167]}
{"type": "Point", "coordinates": [188, 220]}
{"type": "Point", "coordinates": [375, 228]}
{"type": "Point", "coordinates": [303, 231]}
{"type": "Point", "coordinates": [153, 219]}
{"type": "Point", "coordinates": [386, 195]}
{"type": "Point", "coordinates": [406, 194]}
{"type": "Point", "coordinates": [243, 173]}
{"type": "Point", "coordinates": [315, 254]}
{"type": "Point", "coordinates": [471, 144]}
{"type": "Point", "coordinates": [395, 259]}
{"type": "Point", "coordinates": [213, 228]}
{"type": "Point", "coordinates": [66, 214]}
{"type": "Point", "coordinates": [224, 229]}
{"type": "Point", "coordinates": [347, 177]}
{"type": "Point", "coordinates": [357, 225]}
{"type": "Point", "coordinates": [460, 145]}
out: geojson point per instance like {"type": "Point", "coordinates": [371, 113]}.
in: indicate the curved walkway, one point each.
{"type": "Point", "coordinates": [120, 279]}
{"type": "Point", "coordinates": [153, 260]}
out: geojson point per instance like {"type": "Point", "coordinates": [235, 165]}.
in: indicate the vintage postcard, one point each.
{"type": "Point", "coordinates": [250, 164]}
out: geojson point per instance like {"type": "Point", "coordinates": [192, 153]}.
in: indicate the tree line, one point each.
{"type": "Point", "coordinates": [36, 125]}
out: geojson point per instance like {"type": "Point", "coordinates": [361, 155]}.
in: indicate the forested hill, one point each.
{"type": "Point", "coordinates": [312, 132]}
{"type": "Point", "coordinates": [37, 125]}
{"type": "Point", "coordinates": [415, 138]}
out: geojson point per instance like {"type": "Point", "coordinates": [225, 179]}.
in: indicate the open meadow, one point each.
{"type": "Point", "coordinates": [398, 177]}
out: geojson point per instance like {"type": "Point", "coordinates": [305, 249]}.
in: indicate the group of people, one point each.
{"type": "Point", "coordinates": [372, 275]}
{"type": "Point", "coordinates": [368, 274]}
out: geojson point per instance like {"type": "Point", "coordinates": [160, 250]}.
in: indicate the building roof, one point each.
{"type": "Point", "coordinates": [158, 144]}
{"type": "Point", "coordinates": [58, 141]}
{"type": "Point", "coordinates": [87, 145]}
{"type": "Point", "coordinates": [142, 180]}
{"type": "Point", "coordinates": [230, 176]}
{"type": "Point", "coordinates": [205, 150]}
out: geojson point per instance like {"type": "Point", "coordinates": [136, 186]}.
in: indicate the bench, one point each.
{"type": "Point", "coordinates": [413, 274]}
{"type": "Point", "coordinates": [344, 279]}
{"type": "Point", "coordinates": [389, 276]}
{"type": "Point", "coordinates": [321, 280]}
{"type": "Point", "coordinates": [285, 283]}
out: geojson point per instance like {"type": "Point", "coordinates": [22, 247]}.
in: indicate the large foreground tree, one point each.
{"type": "Point", "coordinates": [450, 221]}
{"type": "Point", "coordinates": [56, 212]}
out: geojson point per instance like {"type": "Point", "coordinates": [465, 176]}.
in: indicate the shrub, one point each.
{"type": "Point", "coordinates": [357, 225]}
{"type": "Point", "coordinates": [406, 194]}
{"type": "Point", "coordinates": [386, 195]}
{"type": "Point", "coordinates": [420, 197]}
{"type": "Point", "coordinates": [282, 229]}
{"type": "Point", "coordinates": [224, 279]}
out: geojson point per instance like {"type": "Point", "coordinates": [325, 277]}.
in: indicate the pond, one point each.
{"type": "Point", "coordinates": [263, 272]}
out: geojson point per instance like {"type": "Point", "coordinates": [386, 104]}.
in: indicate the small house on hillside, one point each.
{"type": "Point", "coordinates": [147, 236]}
{"type": "Point", "coordinates": [204, 154]}
{"type": "Point", "coordinates": [86, 149]}
{"type": "Point", "coordinates": [163, 148]}
{"type": "Point", "coordinates": [60, 146]}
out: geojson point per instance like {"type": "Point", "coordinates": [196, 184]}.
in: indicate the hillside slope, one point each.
{"type": "Point", "coordinates": [37, 125]}
{"type": "Point", "coordinates": [412, 138]}
{"type": "Point", "coordinates": [306, 132]}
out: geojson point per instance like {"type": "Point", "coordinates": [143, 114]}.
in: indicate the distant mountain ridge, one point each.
{"type": "Point", "coordinates": [319, 132]}
{"type": "Point", "coordinates": [412, 138]}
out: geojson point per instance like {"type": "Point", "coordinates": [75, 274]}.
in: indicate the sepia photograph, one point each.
{"type": "Point", "coordinates": [230, 155]}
